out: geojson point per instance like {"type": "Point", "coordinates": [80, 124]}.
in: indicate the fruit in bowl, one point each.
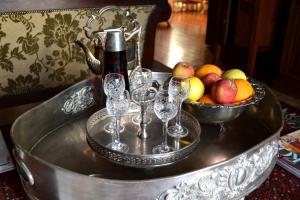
{"type": "Point", "coordinates": [244, 90]}
{"type": "Point", "coordinates": [196, 88]}
{"type": "Point", "coordinates": [183, 69]}
{"type": "Point", "coordinates": [225, 96]}
{"type": "Point", "coordinates": [209, 111]}
{"type": "Point", "coordinates": [224, 91]}
{"type": "Point", "coordinates": [206, 69]}
{"type": "Point", "coordinates": [206, 99]}
{"type": "Point", "coordinates": [234, 74]}
{"type": "Point", "coordinates": [209, 79]}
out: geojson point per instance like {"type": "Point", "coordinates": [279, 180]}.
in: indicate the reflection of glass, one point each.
{"type": "Point", "coordinates": [142, 79]}
{"type": "Point", "coordinates": [179, 88]}
{"type": "Point", "coordinates": [143, 96]}
{"type": "Point", "coordinates": [118, 106]}
{"type": "Point", "coordinates": [165, 108]}
{"type": "Point", "coordinates": [114, 84]}
{"type": "Point", "coordinates": [222, 128]}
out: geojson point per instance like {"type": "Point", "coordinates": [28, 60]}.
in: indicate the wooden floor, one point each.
{"type": "Point", "coordinates": [182, 40]}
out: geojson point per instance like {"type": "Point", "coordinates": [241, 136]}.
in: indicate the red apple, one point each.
{"type": "Point", "coordinates": [224, 91]}
{"type": "Point", "coordinates": [209, 79]}
{"type": "Point", "coordinates": [183, 69]}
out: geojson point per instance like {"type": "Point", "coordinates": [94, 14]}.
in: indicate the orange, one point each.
{"type": "Point", "coordinates": [206, 99]}
{"type": "Point", "coordinates": [244, 90]}
{"type": "Point", "coordinates": [206, 69]}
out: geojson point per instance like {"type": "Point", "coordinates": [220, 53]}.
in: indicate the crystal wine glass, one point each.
{"type": "Point", "coordinates": [165, 108]}
{"type": "Point", "coordinates": [142, 79]}
{"type": "Point", "coordinates": [143, 96]}
{"type": "Point", "coordinates": [179, 88]}
{"type": "Point", "coordinates": [114, 84]}
{"type": "Point", "coordinates": [118, 106]}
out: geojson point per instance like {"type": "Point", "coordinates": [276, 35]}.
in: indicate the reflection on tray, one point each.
{"type": "Point", "coordinates": [140, 150]}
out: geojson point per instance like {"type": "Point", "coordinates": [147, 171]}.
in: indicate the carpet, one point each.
{"type": "Point", "coordinates": [280, 185]}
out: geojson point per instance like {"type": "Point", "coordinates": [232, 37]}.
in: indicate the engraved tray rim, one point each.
{"type": "Point", "coordinates": [140, 160]}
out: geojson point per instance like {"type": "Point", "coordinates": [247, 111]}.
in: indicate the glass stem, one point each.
{"type": "Point", "coordinates": [176, 143]}
{"type": "Point", "coordinates": [113, 123]}
{"type": "Point", "coordinates": [143, 132]}
{"type": "Point", "coordinates": [116, 136]}
{"type": "Point", "coordinates": [143, 113]}
{"type": "Point", "coordinates": [178, 116]}
{"type": "Point", "coordinates": [165, 135]}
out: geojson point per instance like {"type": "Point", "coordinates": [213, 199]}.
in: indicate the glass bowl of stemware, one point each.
{"type": "Point", "coordinates": [219, 113]}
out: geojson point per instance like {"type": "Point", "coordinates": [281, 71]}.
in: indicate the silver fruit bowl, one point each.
{"type": "Point", "coordinates": [217, 113]}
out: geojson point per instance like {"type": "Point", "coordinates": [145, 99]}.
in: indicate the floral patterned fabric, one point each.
{"type": "Point", "coordinates": [37, 49]}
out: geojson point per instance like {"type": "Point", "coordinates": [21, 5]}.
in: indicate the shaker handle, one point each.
{"type": "Point", "coordinates": [88, 28]}
{"type": "Point", "coordinates": [23, 170]}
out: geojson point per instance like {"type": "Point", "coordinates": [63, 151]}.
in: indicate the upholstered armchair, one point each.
{"type": "Point", "coordinates": [38, 56]}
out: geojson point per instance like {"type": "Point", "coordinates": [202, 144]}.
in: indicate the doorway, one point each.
{"type": "Point", "coordinates": [183, 37]}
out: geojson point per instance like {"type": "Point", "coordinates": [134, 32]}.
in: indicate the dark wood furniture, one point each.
{"type": "Point", "coordinates": [260, 37]}
{"type": "Point", "coordinates": [288, 77]}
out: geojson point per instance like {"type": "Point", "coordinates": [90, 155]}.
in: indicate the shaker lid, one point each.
{"type": "Point", "coordinates": [115, 41]}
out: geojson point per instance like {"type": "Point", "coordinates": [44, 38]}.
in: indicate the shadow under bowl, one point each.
{"type": "Point", "coordinates": [216, 114]}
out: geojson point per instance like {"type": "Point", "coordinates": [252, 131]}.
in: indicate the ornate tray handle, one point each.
{"type": "Point", "coordinates": [78, 101]}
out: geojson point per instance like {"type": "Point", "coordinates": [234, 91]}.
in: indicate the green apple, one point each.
{"type": "Point", "coordinates": [234, 74]}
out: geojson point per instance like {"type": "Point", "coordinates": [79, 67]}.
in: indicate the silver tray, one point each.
{"type": "Point", "coordinates": [56, 162]}
{"type": "Point", "coordinates": [140, 151]}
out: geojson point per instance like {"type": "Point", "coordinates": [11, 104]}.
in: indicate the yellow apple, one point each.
{"type": "Point", "coordinates": [234, 74]}
{"type": "Point", "coordinates": [196, 88]}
